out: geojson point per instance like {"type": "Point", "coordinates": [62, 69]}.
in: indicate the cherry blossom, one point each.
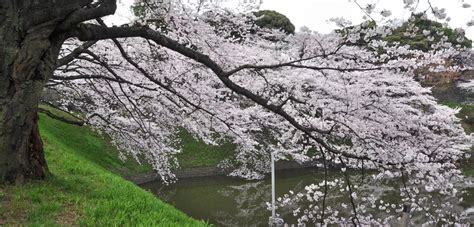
{"type": "Point", "coordinates": [307, 97]}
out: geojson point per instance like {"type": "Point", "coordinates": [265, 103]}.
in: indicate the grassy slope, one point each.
{"type": "Point", "coordinates": [84, 187]}
{"type": "Point", "coordinates": [89, 146]}
{"type": "Point", "coordinates": [196, 153]}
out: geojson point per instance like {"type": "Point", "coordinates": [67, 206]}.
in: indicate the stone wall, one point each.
{"type": "Point", "coordinates": [208, 172]}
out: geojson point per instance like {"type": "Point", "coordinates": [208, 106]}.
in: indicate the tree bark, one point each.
{"type": "Point", "coordinates": [31, 35]}
{"type": "Point", "coordinates": [28, 54]}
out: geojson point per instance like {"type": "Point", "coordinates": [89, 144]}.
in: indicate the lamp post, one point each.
{"type": "Point", "coordinates": [272, 155]}
{"type": "Point", "coordinates": [274, 221]}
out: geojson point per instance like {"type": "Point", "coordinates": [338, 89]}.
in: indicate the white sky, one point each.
{"type": "Point", "coordinates": [316, 13]}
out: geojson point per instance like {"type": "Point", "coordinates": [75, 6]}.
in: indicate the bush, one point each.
{"type": "Point", "coordinates": [274, 20]}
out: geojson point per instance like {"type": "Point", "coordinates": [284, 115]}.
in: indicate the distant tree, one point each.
{"type": "Point", "coordinates": [421, 33]}
{"type": "Point", "coordinates": [418, 32]}
{"type": "Point", "coordinates": [274, 20]}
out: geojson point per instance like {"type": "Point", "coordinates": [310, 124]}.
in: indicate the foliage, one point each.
{"type": "Point", "coordinates": [81, 190]}
{"type": "Point", "coordinates": [421, 33]}
{"type": "Point", "coordinates": [196, 153]}
{"type": "Point", "coordinates": [274, 20]}
{"type": "Point", "coordinates": [356, 107]}
{"type": "Point", "coordinates": [196, 89]}
{"type": "Point", "coordinates": [87, 145]}
{"type": "Point", "coordinates": [418, 33]}
{"type": "Point", "coordinates": [70, 117]}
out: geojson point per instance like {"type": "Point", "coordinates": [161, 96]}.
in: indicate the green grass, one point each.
{"type": "Point", "coordinates": [196, 153]}
{"type": "Point", "coordinates": [58, 112]}
{"type": "Point", "coordinates": [84, 188]}
{"type": "Point", "coordinates": [89, 145]}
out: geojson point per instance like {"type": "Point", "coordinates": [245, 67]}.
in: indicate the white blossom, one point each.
{"type": "Point", "coordinates": [286, 94]}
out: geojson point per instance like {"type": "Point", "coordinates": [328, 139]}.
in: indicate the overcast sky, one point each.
{"type": "Point", "coordinates": [316, 13]}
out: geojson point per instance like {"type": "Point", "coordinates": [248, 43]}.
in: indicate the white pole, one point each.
{"type": "Point", "coordinates": [273, 184]}
{"type": "Point", "coordinates": [274, 221]}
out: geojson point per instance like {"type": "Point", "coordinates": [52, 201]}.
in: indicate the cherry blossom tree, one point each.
{"type": "Point", "coordinates": [357, 107]}
{"type": "Point", "coordinates": [217, 74]}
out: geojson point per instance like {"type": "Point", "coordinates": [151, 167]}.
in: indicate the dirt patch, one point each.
{"type": "Point", "coordinates": [10, 214]}
{"type": "Point", "coordinates": [68, 216]}
{"type": "Point", "coordinates": [469, 128]}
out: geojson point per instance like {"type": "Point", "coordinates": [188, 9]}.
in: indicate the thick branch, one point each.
{"type": "Point", "coordinates": [104, 8]}
{"type": "Point", "coordinates": [74, 54]}
{"type": "Point", "coordinates": [163, 86]}
{"type": "Point", "coordinates": [88, 32]}
{"type": "Point", "coordinates": [295, 65]}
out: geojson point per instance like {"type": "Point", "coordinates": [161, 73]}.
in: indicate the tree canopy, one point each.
{"type": "Point", "coordinates": [264, 90]}
{"type": "Point", "coordinates": [418, 32]}
{"type": "Point", "coordinates": [421, 33]}
{"type": "Point", "coordinates": [274, 20]}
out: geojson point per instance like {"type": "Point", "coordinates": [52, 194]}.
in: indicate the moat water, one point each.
{"type": "Point", "coordinates": [226, 201]}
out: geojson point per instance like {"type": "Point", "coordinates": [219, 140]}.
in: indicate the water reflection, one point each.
{"type": "Point", "coordinates": [225, 201]}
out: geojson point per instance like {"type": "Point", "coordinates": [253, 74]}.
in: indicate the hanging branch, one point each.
{"type": "Point", "coordinates": [325, 185]}
{"type": "Point", "coordinates": [355, 219]}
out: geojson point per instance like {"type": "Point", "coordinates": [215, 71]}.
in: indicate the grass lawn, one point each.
{"type": "Point", "coordinates": [85, 187]}
{"type": "Point", "coordinates": [196, 153]}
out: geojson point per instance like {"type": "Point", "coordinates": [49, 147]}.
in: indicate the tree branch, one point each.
{"type": "Point", "coordinates": [294, 65]}
{"type": "Point", "coordinates": [101, 9]}
{"type": "Point", "coordinates": [74, 54]}
{"type": "Point", "coordinates": [90, 32]}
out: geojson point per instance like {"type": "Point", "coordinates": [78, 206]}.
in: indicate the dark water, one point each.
{"type": "Point", "coordinates": [225, 201]}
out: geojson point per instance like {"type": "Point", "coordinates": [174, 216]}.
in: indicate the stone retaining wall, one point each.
{"type": "Point", "coordinates": [208, 172]}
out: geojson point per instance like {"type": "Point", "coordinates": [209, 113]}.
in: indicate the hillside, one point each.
{"type": "Point", "coordinates": [85, 187]}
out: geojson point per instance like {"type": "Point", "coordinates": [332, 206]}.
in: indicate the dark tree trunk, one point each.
{"type": "Point", "coordinates": [31, 35]}
{"type": "Point", "coordinates": [28, 52]}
